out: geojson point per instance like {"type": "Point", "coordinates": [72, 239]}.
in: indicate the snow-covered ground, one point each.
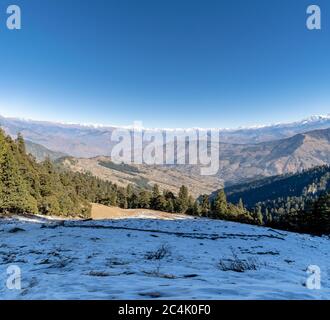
{"type": "Point", "coordinates": [120, 259]}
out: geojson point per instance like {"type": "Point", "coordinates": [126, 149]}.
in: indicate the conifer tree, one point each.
{"type": "Point", "coordinates": [220, 204]}
{"type": "Point", "coordinates": [158, 201]}
{"type": "Point", "coordinates": [321, 214]}
{"type": "Point", "coordinates": [20, 143]}
{"type": "Point", "coordinates": [258, 216]}
{"type": "Point", "coordinates": [183, 200]}
{"type": "Point", "coordinates": [205, 205]}
{"type": "Point", "coordinates": [241, 204]}
{"type": "Point", "coordinates": [14, 197]}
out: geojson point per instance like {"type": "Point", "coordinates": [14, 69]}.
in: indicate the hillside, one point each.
{"type": "Point", "coordinates": [41, 153]}
{"type": "Point", "coordinates": [309, 182]}
{"type": "Point", "coordinates": [157, 259]}
{"type": "Point", "coordinates": [298, 202]}
{"type": "Point", "coordinates": [29, 187]}
{"type": "Point", "coordinates": [143, 176]}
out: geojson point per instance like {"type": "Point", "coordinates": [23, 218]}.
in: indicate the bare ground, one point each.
{"type": "Point", "coordinates": [101, 212]}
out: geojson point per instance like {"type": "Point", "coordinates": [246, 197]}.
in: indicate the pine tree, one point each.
{"type": "Point", "coordinates": [14, 197]}
{"type": "Point", "coordinates": [241, 205]}
{"type": "Point", "coordinates": [183, 200]}
{"type": "Point", "coordinates": [195, 209]}
{"type": "Point", "coordinates": [258, 216]}
{"type": "Point", "coordinates": [205, 205]}
{"type": "Point", "coordinates": [144, 199]}
{"type": "Point", "coordinates": [158, 202]}
{"type": "Point", "coordinates": [321, 214]}
{"type": "Point", "coordinates": [220, 204]}
{"type": "Point", "coordinates": [269, 217]}
{"type": "Point", "coordinates": [20, 144]}
{"type": "Point", "coordinates": [155, 191]}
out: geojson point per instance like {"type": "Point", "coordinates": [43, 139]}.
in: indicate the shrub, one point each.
{"type": "Point", "coordinates": [238, 265]}
{"type": "Point", "coordinates": [162, 252]}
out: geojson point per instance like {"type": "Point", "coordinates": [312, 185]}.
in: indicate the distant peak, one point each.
{"type": "Point", "coordinates": [139, 126]}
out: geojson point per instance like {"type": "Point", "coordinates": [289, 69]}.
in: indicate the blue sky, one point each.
{"type": "Point", "coordinates": [168, 63]}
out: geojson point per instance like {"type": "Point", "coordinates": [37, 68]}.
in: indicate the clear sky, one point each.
{"type": "Point", "coordinates": [168, 63]}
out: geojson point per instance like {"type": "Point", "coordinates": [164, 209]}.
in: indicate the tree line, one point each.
{"type": "Point", "coordinates": [305, 208]}
{"type": "Point", "coordinates": [306, 213]}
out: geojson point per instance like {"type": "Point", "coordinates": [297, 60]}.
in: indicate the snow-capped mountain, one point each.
{"type": "Point", "coordinates": [94, 140]}
{"type": "Point", "coordinates": [275, 131]}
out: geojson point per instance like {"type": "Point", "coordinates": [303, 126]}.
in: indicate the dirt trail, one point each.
{"type": "Point", "coordinates": [101, 212]}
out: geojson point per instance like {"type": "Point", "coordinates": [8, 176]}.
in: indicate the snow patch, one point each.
{"type": "Point", "coordinates": [205, 259]}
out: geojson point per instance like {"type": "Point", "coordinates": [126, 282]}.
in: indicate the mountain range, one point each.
{"type": "Point", "coordinates": [245, 154]}
{"type": "Point", "coordinates": [90, 141]}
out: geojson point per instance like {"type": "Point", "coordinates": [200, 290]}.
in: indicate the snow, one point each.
{"type": "Point", "coordinates": [109, 260]}
{"type": "Point", "coordinates": [314, 119]}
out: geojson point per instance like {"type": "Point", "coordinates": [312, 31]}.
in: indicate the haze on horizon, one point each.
{"type": "Point", "coordinates": [166, 63]}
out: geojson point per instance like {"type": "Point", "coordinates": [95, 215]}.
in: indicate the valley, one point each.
{"type": "Point", "coordinates": [239, 163]}
{"type": "Point", "coordinates": [143, 176]}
